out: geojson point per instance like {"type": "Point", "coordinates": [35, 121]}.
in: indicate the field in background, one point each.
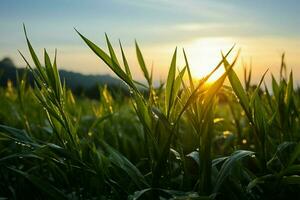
{"type": "Point", "coordinates": [183, 140]}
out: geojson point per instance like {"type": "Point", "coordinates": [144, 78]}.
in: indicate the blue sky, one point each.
{"type": "Point", "coordinates": [262, 29]}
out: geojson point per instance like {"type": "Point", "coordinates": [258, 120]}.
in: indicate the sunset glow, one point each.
{"type": "Point", "coordinates": [204, 55]}
{"type": "Point", "coordinates": [202, 28]}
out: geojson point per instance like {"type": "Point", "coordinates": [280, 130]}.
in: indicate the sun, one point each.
{"type": "Point", "coordinates": [204, 55]}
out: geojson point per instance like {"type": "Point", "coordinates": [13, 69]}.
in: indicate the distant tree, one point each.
{"type": "Point", "coordinates": [7, 62]}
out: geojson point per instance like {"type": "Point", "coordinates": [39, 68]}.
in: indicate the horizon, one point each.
{"type": "Point", "coordinates": [262, 32]}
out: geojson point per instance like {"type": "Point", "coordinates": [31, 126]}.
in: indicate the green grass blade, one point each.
{"type": "Point", "coordinates": [228, 165]}
{"type": "Point", "coordinates": [142, 63]}
{"type": "Point", "coordinates": [189, 71]}
{"type": "Point", "coordinates": [123, 163]}
{"type": "Point", "coordinates": [43, 185]}
{"type": "Point", "coordinates": [34, 57]}
{"type": "Point", "coordinates": [108, 61]}
{"type": "Point", "coordinates": [255, 93]}
{"type": "Point", "coordinates": [289, 91]}
{"type": "Point", "coordinates": [170, 84]}
{"type": "Point", "coordinates": [237, 87]}
{"type": "Point", "coordinates": [127, 70]}
{"type": "Point", "coordinates": [111, 51]}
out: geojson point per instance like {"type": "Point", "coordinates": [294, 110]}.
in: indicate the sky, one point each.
{"type": "Point", "coordinates": [262, 29]}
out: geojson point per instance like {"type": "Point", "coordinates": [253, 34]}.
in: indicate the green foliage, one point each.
{"type": "Point", "coordinates": [187, 140]}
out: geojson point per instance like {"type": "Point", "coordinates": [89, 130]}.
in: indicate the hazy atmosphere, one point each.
{"type": "Point", "coordinates": [150, 99]}
{"type": "Point", "coordinates": [203, 28]}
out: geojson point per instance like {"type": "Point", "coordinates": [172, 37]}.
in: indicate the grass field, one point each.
{"type": "Point", "coordinates": [184, 140]}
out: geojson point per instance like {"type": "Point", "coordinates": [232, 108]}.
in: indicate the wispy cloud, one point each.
{"type": "Point", "coordinates": [159, 26]}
